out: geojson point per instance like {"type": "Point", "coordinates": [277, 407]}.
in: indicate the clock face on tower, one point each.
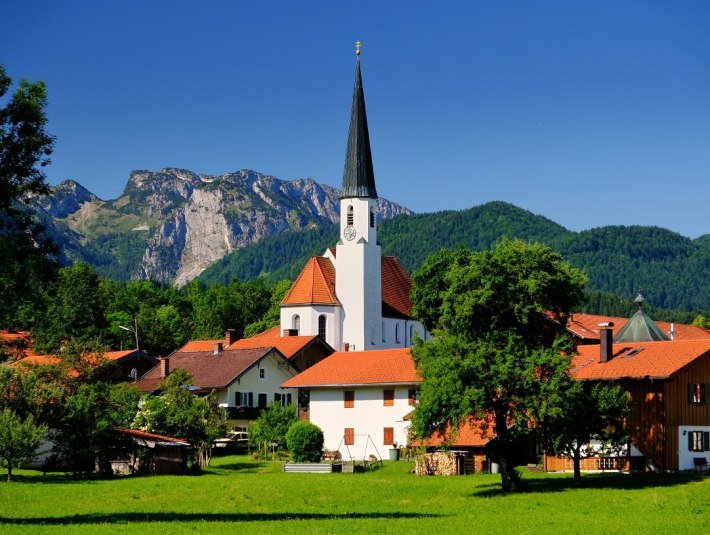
{"type": "Point", "coordinates": [349, 233]}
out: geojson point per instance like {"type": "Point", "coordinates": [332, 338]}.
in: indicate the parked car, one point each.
{"type": "Point", "coordinates": [234, 440]}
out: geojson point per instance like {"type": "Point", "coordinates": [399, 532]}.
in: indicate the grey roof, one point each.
{"type": "Point", "coordinates": [640, 328]}
{"type": "Point", "coordinates": [358, 175]}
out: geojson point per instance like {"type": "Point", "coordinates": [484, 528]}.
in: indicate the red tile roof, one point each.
{"type": "Point", "coordinates": [37, 360]}
{"type": "Point", "coordinates": [201, 345]}
{"type": "Point", "coordinates": [655, 360]}
{"type": "Point", "coordinates": [208, 370]}
{"type": "Point", "coordinates": [378, 366]}
{"type": "Point", "coordinates": [11, 336]}
{"type": "Point", "coordinates": [315, 285]}
{"type": "Point", "coordinates": [269, 333]}
{"type": "Point", "coordinates": [586, 327]}
{"type": "Point", "coordinates": [288, 345]}
{"type": "Point", "coordinates": [396, 286]}
{"type": "Point", "coordinates": [475, 432]}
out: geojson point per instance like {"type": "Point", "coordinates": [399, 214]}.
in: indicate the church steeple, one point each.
{"type": "Point", "coordinates": [358, 175]}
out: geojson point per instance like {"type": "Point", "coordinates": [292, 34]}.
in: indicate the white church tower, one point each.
{"type": "Point", "coordinates": [358, 284]}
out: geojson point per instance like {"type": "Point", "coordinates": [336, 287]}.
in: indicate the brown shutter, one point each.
{"type": "Point", "coordinates": [349, 435]}
{"type": "Point", "coordinates": [388, 396]}
{"type": "Point", "coordinates": [690, 440]}
{"type": "Point", "coordinates": [388, 436]}
{"type": "Point", "coordinates": [690, 392]}
{"type": "Point", "coordinates": [706, 441]}
{"type": "Point", "coordinates": [349, 399]}
{"type": "Point", "coordinates": [412, 396]}
{"type": "Point", "coordinates": [706, 392]}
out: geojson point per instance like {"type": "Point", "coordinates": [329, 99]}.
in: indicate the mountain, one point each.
{"type": "Point", "coordinates": [170, 225]}
{"type": "Point", "coordinates": [671, 270]}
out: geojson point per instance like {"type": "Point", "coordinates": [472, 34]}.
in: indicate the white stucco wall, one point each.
{"type": "Point", "coordinates": [309, 315]}
{"type": "Point", "coordinates": [277, 372]}
{"type": "Point", "coordinates": [369, 416]}
{"type": "Point", "coordinates": [387, 333]}
{"type": "Point", "coordinates": [685, 456]}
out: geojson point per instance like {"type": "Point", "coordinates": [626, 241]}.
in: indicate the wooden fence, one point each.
{"type": "Point", "coordinates": [595, 464]}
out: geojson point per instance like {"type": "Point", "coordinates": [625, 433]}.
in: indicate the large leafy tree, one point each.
{"type": "Point", "coordinates": [19, 438]}
{"type": "Point", "coordinates": [26, 261]}
{"type": "Point", "coordinates": [590, 411]}
{"type": "Point", "coordinates": [494, 351]}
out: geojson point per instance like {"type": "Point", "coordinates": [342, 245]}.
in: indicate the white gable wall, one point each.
{"type": "Point", "coordinates": [309, 315]}
{"type": "Point", "coordinates": [369, 416]}
{"type": "Point", "coordinates": [277, 371]}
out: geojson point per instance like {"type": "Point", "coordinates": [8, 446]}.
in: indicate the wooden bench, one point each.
{"type": "Point", "coordinates": [312, 468]}
{"type": "Point", "coordinates": [701, 464]}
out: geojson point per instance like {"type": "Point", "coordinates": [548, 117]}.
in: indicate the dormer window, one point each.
{"type": "Point", "coordinates": [697, 393]}
{"type": "Point", "coordinates": [351, 216]}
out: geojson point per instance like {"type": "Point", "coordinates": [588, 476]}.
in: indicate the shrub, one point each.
{"type": "Point", "coordinates": [305, 442]}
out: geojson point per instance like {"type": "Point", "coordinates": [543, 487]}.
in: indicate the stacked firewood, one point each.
{"type": "Point", "coordinates": [439, 463]}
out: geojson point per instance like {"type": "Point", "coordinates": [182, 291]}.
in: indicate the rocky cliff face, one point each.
{"type": "Point", "coordinates": [175, 223]}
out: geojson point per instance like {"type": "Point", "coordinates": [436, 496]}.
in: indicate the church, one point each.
{"type": "Point", "coordinates": [352, 297]}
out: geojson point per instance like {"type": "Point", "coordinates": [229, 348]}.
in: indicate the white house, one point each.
{"type": "Point", "coordinates": [360, 399]}
{"type": "Point", "coordinates": [351, 296]}
{"type": "Point", "coordinates": [245, 380]}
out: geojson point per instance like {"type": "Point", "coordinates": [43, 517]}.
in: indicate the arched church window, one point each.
{"type": "Point", "coordinates": [411, 334]}
{"type": "Point", "coordinates": [396, 333]}
{"type": "Point", "coordinates": [296, 322]}
{"type": "Point", "coordinates": [372, 219]}
{"type": "Point", "coordinates": [321, 326]}
{"type": "Point", "coordinates": [383, 331]}
{"type": "Point", "coordinates": [351, 215]}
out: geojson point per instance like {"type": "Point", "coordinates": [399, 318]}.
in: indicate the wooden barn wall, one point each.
{"type": "Point", "coordinates": [678, 410]}
{"type": "Point", "coordinates": [645, 424]}
{"type": "Point", "coordinates": [671, 448]}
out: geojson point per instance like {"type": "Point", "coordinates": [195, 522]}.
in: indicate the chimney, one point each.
{"type": "Point", "coordinates": [290, 332]}
{"type": "Point", "coordinates": [218, 348]}
{"type": "Point", "coordinates": [164, 366]}
{"type": "Point", "coordinates": [347, 346]}
{"type": "Point", "coordinates": [672, 331]}
{"type": "Point", "coordinates": [606, 341]}
{"type": "Point", "coordinates": [230, 336]}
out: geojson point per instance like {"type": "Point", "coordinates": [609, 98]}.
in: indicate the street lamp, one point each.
{"type": "Point", "coordinates": [134, 331]}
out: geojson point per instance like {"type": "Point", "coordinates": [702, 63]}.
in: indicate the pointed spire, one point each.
{"type": "Point", "coordinates": [358, 175]}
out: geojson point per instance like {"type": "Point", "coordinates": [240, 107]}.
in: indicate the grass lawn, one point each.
{"type": "Point", "coordinates": [237, 495]}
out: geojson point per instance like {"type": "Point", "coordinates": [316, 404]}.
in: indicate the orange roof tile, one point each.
{"type": "Point", "coordinates": [201, 345]}
{"type": "Point", "coordinates": [38, 360]}
{"type": "Point", "coordinates": [656, 360]}
{"type": "Point", "coordinates": [11, 336]}
{"type": "Point", "coordinates": [396, 286]}
{"type": "Point", "coordinates": [315, 285]}
{"type": "Point", "coordinates": [378, 366]}
{"type": "Point", "coordinates": [474, 432]}
{"type": "Point", "coordinates": [269, 333]}
{"type": "Point", "coordinates": [586, 327]}
{"type": "Point", "coordinates": [288, 345]}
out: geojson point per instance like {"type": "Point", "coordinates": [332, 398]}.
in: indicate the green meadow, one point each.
{"type": "Point", "coordinates": [238, 495]}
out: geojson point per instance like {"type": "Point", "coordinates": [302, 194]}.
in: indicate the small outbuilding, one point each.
{"type": "Point", "coordinates": [134, 451]}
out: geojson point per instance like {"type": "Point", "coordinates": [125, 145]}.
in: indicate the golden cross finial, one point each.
{"type": "Point", "coordinates": [358, 44]}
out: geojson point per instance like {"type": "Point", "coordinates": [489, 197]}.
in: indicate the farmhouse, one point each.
{"type": "Point", "coordinates": [245, 380]}
{"type": "Point", "coordinates": [360, 399]}
{"type": "Point", "coordinates": [669, 384]}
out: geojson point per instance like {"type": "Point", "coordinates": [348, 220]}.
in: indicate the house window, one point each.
{"type": "Point", "coordinates": [262, 374]}
{"type": "Point", "coordinates": [296, 322]}
{"type": "Point", "coordinates": [412, 395]}
{"type": "Point", "coordinates": [396, 333]}
{"type": "Point", "coordinates": [349, 435]}
{"type": "Point", "coordinates": [388, 436]}
{"type": "Point", "coordinates": [277, 397]}
{"type": "Point", "coordinates": [349, 399]}
{"type": "Point", "coordinates": [388, 397]}
{"type": "Point", "coordinates": [699, 440]}
{"type": "Point", "coordinates": [321, 326]}
{"type": "Point", "coordinates": [351, 216]}
{"type": "Point", "coordinates": [697, 393]}
{"type": "Point", "coordinates": [244, 399]}
{"type": "Point", "coordinates": [372, 219]}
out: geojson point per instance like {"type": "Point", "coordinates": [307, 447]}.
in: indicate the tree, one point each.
{"type": "Point", "coordinates": [587, 411]}
{"type": "Point", "coordinates": [494, 351]}
{"type": "Point", "coordinates": [305, 442]}
{"type": "Point", "coordinates": [272, 317]}
{"type": "Point", "coordinates": [270, 428]}
{"type": "Point", "coordinates": [179, 413]}
{"type": "Point", "coordinates": [19, 438]}
{"type": "Point", "coordinates": [26, 253]}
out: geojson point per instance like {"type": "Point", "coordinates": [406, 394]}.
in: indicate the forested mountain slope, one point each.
{"type": "Point", "coordinates": [671, 270]}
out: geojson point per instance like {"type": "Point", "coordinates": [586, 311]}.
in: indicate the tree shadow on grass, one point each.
{"type": "Point", "coordinates": [594, 481]}
{"type": "Point", "coordinates": [125, 518]}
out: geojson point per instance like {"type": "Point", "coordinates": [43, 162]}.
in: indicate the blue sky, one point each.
{"type": "Point", "coordinates": [590, 113]}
